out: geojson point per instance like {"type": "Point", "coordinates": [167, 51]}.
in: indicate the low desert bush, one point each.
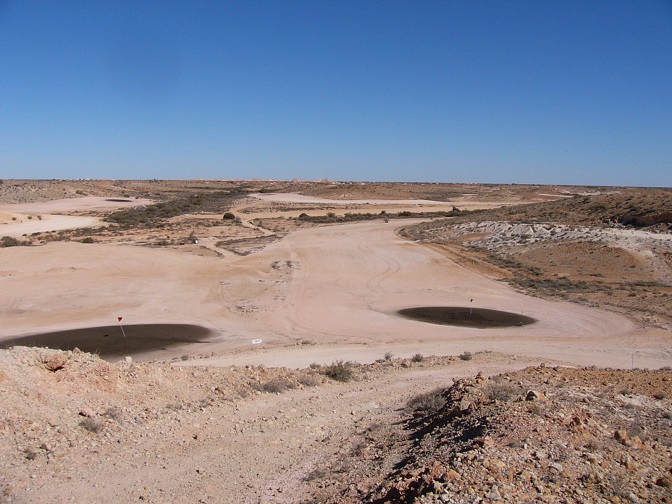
{"type": "Point", "coordinates": [277, 386]}
{"type": "Point", "coordinates": [9, 241]}
{"type": "Point", "coordinates": [388, 355]}
{"type": "Point", "coordinates": [339, 371]}
{"type": "Point", "coordinates": [429, 402]}
{"type": "Point", "coordinates": [354, 217]}
{"type": "Point", "coordinates": [309, 381]}
{"type": "Point", "coordinates": [466, 356]}
{"type": "Point", "coordinates": [91, 425]}
{"type": "Point", "coordinates": [114, 413]}
{"type": "Point", "coordinates": [503, 392]}
{"type": "Point", "coordinates": [418, 357]}
{"type": "Point", "coordinates": [316, 474]}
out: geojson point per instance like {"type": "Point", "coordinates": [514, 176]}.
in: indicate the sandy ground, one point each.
{"type": "Point", "coordinates": [24, 226]}
{"type": "Point", "coordinates": [415, 204]}
{"type": "Point", "coordinates": [320, 293]}
{"type": "Point", "coordinates": [60, 206]}
{"type": "Point", "coordinates": [341, 206]}
{"type": "Point", "coordinates": [27, 218]}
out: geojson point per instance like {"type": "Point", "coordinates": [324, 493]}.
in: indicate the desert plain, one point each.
{"type": "Point", "coordinates": [195, 330]}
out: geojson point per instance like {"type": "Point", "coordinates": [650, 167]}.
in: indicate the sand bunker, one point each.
{"type": "Point", "coordinates": [109, 341]}
{"type": "Point", "coordinates": [480, 318]}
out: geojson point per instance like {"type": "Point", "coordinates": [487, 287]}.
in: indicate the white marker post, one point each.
{"type": "Point", "coordinates": [121, 327]}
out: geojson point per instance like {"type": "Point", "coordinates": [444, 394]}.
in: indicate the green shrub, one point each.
{"type": "Point", "coordinates": [466, 356]}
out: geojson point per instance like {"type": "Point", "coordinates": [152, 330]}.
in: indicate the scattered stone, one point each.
{"type": "Point", "coordinates": [54, 361]}
{"type": "Point", "coordinates": [664, 481]}
{"type": "Point", "coordinates": [451, 475]}
{"type": "Point", "coordinates": [493, 495]}
{"type": "Point", "coordinates": [533, 395]}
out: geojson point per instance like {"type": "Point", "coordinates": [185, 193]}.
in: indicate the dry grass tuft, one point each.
{"type": "Point", "coordinates": [91, 425]}
{"type": "Point", "coordinates": [339, 371]}
{"type": "Point", "coordinates": [429, 402]}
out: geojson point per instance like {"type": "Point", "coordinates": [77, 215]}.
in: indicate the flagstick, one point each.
{"type": "Point", "coordinates": [121, 327]}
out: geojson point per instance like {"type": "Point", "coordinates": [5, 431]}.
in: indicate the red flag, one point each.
{"type": "Point", "coordinates": [119, 318]}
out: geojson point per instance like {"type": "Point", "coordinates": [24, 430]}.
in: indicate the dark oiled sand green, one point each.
{"type": "Point", "coordinates": [464, 316]}
{"type": "Point", "coordinates": [110, 343]}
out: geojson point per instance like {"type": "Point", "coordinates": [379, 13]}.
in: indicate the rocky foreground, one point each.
{"type": "Point", "coordinates": [540, 435]}
{"type": "Point", "coordinates": [76, 428]}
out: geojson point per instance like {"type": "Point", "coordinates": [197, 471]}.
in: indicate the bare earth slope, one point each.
{"type": "Point", "coordinates": [74, 426]}
{"type": "Point", "coordinates": [540, 435]}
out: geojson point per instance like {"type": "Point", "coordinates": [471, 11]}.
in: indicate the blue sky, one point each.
{"type": "Point", "coordinates": [568, 92]}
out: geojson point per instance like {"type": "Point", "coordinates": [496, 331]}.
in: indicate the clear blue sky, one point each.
{"type": "Point", "coordinates": [451, 91]}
